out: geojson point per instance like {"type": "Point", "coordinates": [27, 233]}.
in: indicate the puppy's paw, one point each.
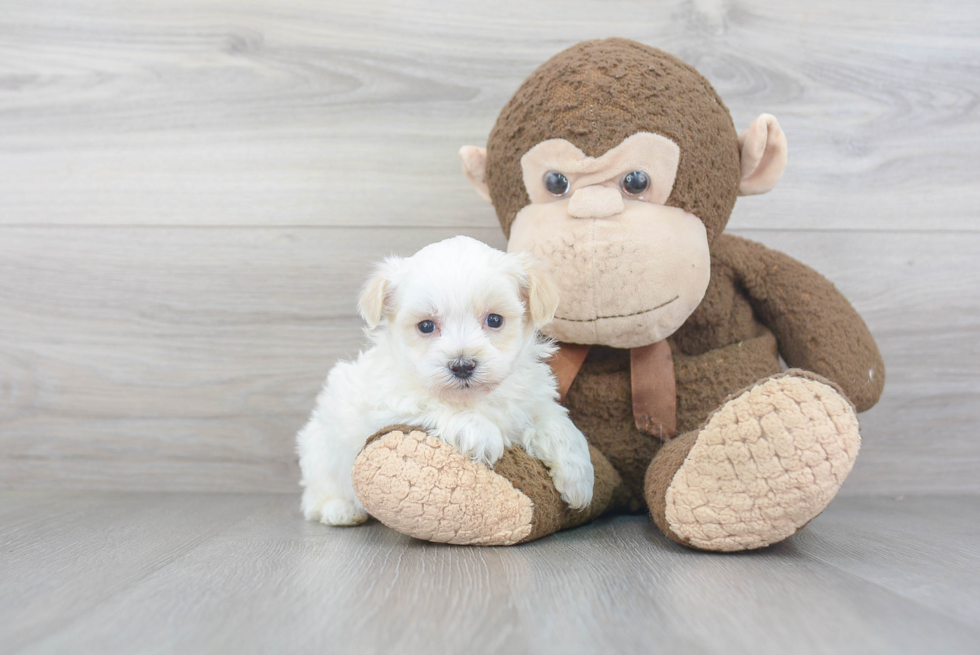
{"type": "Point", "coordinates": [574, 479]}
{"type": "Point", "coordinates": [478, 438]}
{"type": "Point", "coordinates": [340, 511]}
{"type": "Point", "coordinates": [334, 511]}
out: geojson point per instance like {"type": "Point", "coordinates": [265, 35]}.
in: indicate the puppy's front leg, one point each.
{"type": "Point", "coordinates": [565, 451]}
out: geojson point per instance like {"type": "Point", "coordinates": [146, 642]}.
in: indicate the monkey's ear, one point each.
{"type": "Point", "coordinates": [475, 168]}
{"type": "Point", "coordinates": [540, 293]}
{"type": "Point", "coordinates": [763, 152]}
{"type": "Point", "coordinates": [375, 299]}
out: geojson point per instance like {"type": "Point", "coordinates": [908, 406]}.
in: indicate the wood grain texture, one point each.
{"type": "Point", "coordinates": [190, 195]}
{"type": "Point", "coordinates": [189, 573]}
{"type": "Point", "coordinates": [178, 358]}
{"type": "Point", "coordinates": [890, 543]}
{"type": "Point", "coordinates": [82, 550]}
{"type": "Point", "coordinates": [286, 113]}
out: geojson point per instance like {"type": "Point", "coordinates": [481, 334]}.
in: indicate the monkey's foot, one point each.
{"type": "Point", "coordinates": [422, 487]}
{"type": "Point", "coordinates": [766, 463]}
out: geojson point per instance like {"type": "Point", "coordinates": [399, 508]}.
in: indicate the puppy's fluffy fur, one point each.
{"type": "Point", "coordinates": [505, 396]}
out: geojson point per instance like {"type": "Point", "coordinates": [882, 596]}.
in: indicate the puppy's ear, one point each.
{"type": "Point", "coordinates": [375, 299]}
{"type": "Point", "coordinates": [540, 293]}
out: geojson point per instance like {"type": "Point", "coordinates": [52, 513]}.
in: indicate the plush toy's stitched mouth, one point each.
{"type": "Point", "coordinates": [589, 320]}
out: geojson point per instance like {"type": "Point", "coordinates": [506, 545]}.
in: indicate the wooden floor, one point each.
{"type": "Point", "coordinates": [112, 572]}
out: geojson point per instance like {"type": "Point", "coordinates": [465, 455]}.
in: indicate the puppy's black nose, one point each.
{"type": "Point", "coordinates": [462, 368]}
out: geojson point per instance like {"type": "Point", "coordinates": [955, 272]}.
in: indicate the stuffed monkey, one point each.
{"type": "Point", "coordinates": [617, 165]}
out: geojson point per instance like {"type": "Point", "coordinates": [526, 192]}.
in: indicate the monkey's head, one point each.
{"type": "Point", "coordinates": [617, 165]}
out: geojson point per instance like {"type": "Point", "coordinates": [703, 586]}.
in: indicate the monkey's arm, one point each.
{"type": "Point", "coordinates": [816, 327]}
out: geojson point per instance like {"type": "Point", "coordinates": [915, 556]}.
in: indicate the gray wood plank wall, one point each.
{"type": "Point", "coordinates": [191, 193]}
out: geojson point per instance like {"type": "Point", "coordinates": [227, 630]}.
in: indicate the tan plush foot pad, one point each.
{"type": "Point", "coordinates": [765, 464]}
{"type": "Point", "coordinates": [422, 487]}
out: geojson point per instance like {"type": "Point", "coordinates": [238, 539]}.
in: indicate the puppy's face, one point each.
{"type": "Point", "coordinates": [459, 312]}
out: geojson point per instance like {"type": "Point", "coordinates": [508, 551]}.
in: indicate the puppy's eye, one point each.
{"type": "Point", "coordinates": [556, 183]}
{"type": "Point", "coordinates": [426, 327]}
{"type": "Point", "coordinates": [635, 183]}
{"type": "Point", "coordinates": [494, 321]}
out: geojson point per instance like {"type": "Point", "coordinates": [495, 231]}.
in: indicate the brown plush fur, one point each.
{"type": "Point", "coordinates": [597, 93]}
{"type": "Point", "coordinates": [759, 302]}
{"type": "Point", "coordinates": [659, 477]}
{"type": "Point", "coordinates": [816, 327]}
{"type": "Point", "coordinates": [530, 477]}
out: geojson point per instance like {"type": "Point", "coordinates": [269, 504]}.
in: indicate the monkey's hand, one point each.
{"type": "Point", "coordinates": [816, 327]}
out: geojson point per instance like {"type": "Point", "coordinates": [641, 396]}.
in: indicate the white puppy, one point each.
{"type": "Point", "coordinates": [456, 352]}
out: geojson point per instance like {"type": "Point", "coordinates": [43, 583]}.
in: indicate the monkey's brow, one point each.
{"type": "Point", "coordinates": [643, 311]}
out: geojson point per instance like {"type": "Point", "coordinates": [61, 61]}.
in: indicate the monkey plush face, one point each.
{"type": "Point", "coordinates": [617, 165]}
{"type": "Point", "coordinates": [604, 220]}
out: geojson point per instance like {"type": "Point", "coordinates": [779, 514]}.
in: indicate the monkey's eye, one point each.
{"type": "Point", "coordinates": [426, 327]}
{"type": "Point", "coordinates": [556, 183]}
{"type": "Point", "coordinates": [635, 183]}
{"type": "Point", "coordinates": [494, 321]}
